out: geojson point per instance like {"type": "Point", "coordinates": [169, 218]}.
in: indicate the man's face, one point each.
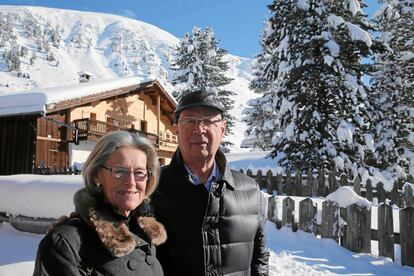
{"type": "Point", "coordinates": [199, 131]}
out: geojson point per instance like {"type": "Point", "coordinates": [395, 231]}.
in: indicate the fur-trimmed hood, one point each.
{"type": "Point", "coordinates": [114, 232]}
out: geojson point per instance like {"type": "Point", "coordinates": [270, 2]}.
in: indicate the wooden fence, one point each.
{"type": "Point", "coordinates": [53, 170]}
{"type": "Point", "coordinates": [350, 227]}
{"type": "Point", "coordinates": [320, 185]}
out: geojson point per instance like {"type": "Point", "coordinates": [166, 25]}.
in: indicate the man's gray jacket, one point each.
{"type": "Point", "coordinates": [220, 232]}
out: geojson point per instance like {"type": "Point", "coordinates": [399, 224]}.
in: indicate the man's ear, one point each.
{"type": "Point", "coordinates": [223, 129]}
{"type": "Point", "coordinates": [175, 128]}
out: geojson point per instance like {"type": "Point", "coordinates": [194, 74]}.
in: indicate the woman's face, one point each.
{"type": "Point", "coordinates": [124, 179]}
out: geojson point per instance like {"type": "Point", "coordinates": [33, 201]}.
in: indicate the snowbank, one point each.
{"type": "Point", "coordinates": [38, 196]}
{"type": "Point", "coordinates": [345, 197]}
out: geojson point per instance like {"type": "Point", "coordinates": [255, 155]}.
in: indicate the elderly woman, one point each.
{"type": "Point", "coordinates": [110, 232]}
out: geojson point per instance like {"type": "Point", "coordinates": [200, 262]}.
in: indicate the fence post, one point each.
{"type": "Point", "coordinates": [343, 181]}
{"type": "Point", "coordinates": [288, 218]}
{"type": "Point", "coordinates": [407, 236]}
{"type": "Point", "coordinates": [259, 179]}
{"type": "Point", "coordinates": [307, 187]}
{"type": "Point", "coordinates": [311, 183]}
{"type": "Point", "coordinates": [249, 173]}
{"type": "Point", "coordinates": [394, 194]}
{"type": "Point", "coordinates": [357, 185]}
{"type": "Point", "coordinates": [368, 194]}
{"type": "Point", "coordinates": [408, 196]}
{"type": "Point", "coordinates": [330, 224]}
{"type": "Point", "coordinates": [358, 231]}
{"type": "Point", "coordinates": [333, 185]}
{"type": "Point", "coordinates": [272, 209]}
{"type": "Point", "coordinates": [321, 183]}
{"type": "Point", "coordinates": [269, 182]}
{"type": "Point", "coordinates": [290, 189]}
{"type": "Point", "coordinates": [380, 193]}
{"type": "Point", "coordinates": [307, 219]}
{"type": "Point", "coordinates": [385, 231]}
{"type": "Point", "coordinates": [298, 183]}
{"type": "Point", "coordinates": [279, 184]}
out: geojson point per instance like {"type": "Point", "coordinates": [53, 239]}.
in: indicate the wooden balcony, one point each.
{"type": "Point", "coordinates": [90, 129]}
{"type": "Point", "coordinates": [168, 141]}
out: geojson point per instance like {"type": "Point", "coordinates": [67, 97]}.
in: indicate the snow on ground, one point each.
{"type": "Point", "coordinates": [302, 254]}
{"type": "Point", "coordinates": [17, 251]}
{"type": "Point", "coordinates": [291, 254]}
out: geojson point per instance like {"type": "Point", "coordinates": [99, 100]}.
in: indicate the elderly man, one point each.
{"type": "Point", "coordinates": [211, 213]}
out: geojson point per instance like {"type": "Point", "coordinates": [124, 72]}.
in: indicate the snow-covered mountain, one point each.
{"type": "Point", "coordinates": [44, 47]}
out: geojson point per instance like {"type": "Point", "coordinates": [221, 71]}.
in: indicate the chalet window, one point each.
{"type": "Point", "coordinates": [93, 124]}
{"type": "Point", "coordinates": [110, 126]}
{"type": "Point", "coordinates": [143, 126]}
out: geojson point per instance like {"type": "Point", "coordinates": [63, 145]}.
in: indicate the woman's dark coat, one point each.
{"type": "Point", "coordinates": [220, 232]}
{"type": "Point", "coordinates": [97, 241]}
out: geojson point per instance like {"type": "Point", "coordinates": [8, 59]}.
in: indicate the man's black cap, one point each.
{"type": "Point", "coordinates": [198, 98]}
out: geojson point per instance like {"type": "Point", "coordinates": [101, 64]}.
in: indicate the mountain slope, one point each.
{"type": "Point", "coordinates": [45, 47]}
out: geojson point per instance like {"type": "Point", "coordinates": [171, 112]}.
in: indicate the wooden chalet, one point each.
{"type": "Point", "coordinates": [65, 131]}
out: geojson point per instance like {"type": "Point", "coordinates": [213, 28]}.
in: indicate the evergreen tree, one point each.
{"type": "Point", "coordinates": [316, 91]}
{"type": "Point", "coordinates": [11, 59]}
{"type": "Point", "coordinates": [33, 58]}
{"type": "Point", "coordinates": [393, 87]}
{"type": "Point", "coordinates": [55, 36]}
{"type": "Point", "coordinates": [260, 118]}
{"type": "Point", "coordinates": [23, 51]}
{"type": "Point", "coordinates": [199, 64]}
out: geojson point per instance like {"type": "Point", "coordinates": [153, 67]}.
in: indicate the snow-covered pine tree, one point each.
{"type": "Point", "coordinates": [55, 36]}
{"type": "Point", "coordinates": [7, 35]}
{"type": "Point", "coordinates": [317, 89]}
{"type": "Point", "coordinates": [393, 87]}
{"type": "Point", "coordinates": [260, 117]}
{"type": "Point", "coordinates": [33, 58]}
{"type": "Point", "coordinates": [199, 64]}
{"type": "Point", "coordinates": [11, 59]}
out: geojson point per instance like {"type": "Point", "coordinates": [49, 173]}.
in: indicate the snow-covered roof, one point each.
{"type": "Point", "coordinates": [22, 103]}
{"type": "Point", "coordinates": [38, 100]}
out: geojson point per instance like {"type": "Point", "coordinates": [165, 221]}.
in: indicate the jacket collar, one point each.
{"type": "Point", "coordinates": [113, 231]}
{"type": "Point", "coordinates": [225, 172]}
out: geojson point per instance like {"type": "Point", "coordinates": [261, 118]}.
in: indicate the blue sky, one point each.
{"type": "Point", "coordinates": [236, 23]}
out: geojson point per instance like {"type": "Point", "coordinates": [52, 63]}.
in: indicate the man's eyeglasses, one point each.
{"type": "Point", "coordinates": [123, 173]}
{"type": "Point", "coordinates": [191, 122]}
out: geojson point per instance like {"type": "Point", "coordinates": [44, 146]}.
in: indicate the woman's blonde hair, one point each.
{"type": "Point", "coordinates": [109, 144]}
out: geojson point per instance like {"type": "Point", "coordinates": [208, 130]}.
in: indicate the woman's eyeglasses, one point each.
{"type": "Point", "coordinates": [121, 173]}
